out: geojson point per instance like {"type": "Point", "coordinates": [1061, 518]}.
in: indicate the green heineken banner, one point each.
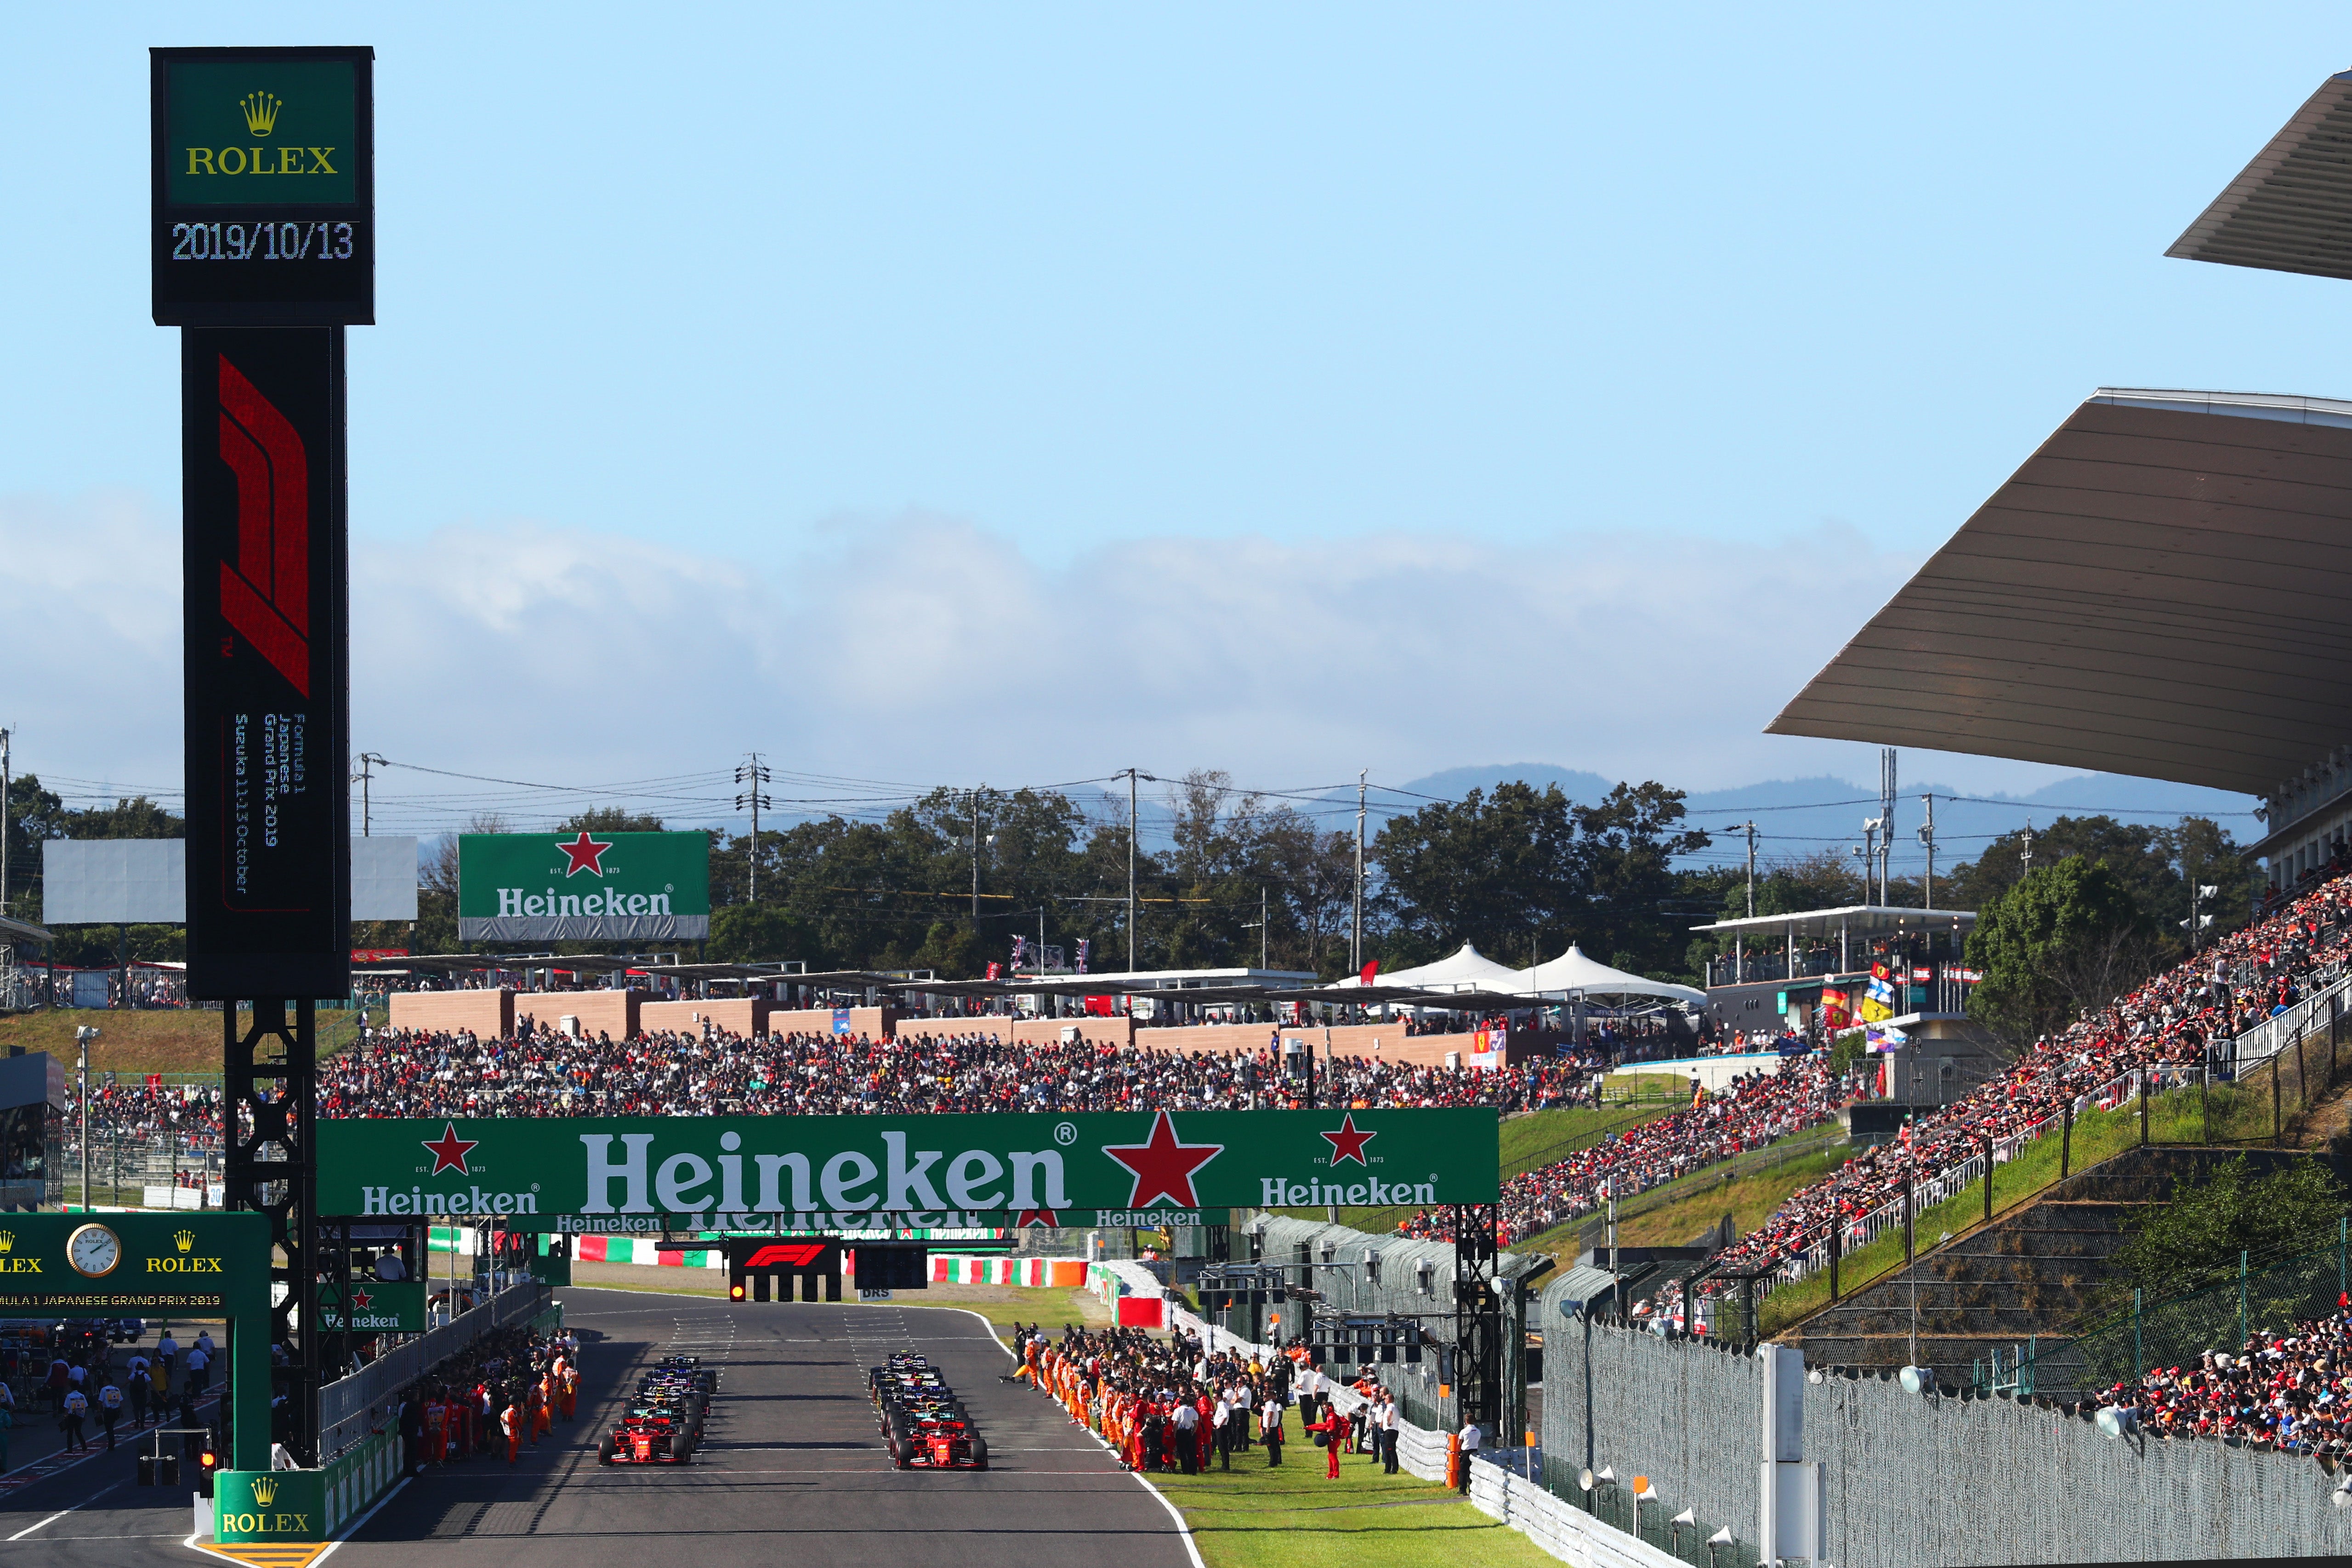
{"type": "Point", "coordinates": [376, 1306]}
{"type": "Point", "coordinates": [603, 1176]}
{"type": "Point", "coordinates": [583, 887]}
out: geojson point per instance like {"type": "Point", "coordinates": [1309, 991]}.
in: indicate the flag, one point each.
{"type": "Point", "coordinates": [1020, 951]}
{"type": "Point", "coordinates": [1366, 974]}
{"type": "Point", "coordinates": [1085, 949]}
{"type": "Point", "coordinates": [1837, 1009]}
{"type": "Point", "coordinates": [996, 971]}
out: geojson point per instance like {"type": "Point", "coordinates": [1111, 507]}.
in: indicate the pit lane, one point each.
{"type": "Point", "coordinates": [792, 1466]}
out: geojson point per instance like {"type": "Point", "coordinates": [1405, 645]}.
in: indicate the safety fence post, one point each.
{"type": "Point", "coordinates": [1988, 1149]}
{"type": "Point", "coordinates": [2276, 1123]}
{"type": "Point", "coordinates": [2144, 1076]}
{"type": "Point", "coordinates": [2135, 1367]}
{"type": "Point", "coordinates": [2245, 1332]}
{"type": "Point", "coordinates": [2066, 1141]}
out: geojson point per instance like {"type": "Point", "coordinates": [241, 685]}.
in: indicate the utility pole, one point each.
{"type": "Point", "coordinates": [1749, 829]}
{"type": "Point", "coordinates": [1886, 822]}
{"type": "Point", "coordinates": [1928, 836]}
{"type": "Point", "coordinates": [751, 774]}
{"type": "Point", "coordinates": [1260, 923]}
{"type": "Point", "coordinates": [1356, 938]}
{"type": "Point", "coordinates": [367, 759]}
{"type": "Point", "coordinates": [4, 822]}
{"type": "Point", "coordinates": [1870, 825]}
{"type": "Point", "coordinates": [975, 860]}
{"type": "Point", "coordinates": [1131, 825]}
{"type": "Point", "coordinates": [2026, 857]}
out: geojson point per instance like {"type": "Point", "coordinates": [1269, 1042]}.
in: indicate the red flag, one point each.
{"type": "Point", "coordinates": [1369, 971]}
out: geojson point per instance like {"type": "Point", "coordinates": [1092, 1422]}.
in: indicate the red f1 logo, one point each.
{"type": "Point", "coordinates": [778, 1255]}
{"type": "Point", "coordinates": [266, 597]}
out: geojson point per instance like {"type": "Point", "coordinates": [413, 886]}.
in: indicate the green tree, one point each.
{"type": "Point", "coordinates": [1625, 860]}
{"type": "Point", "coordinates": [2197, 1238]}
{"type": "Point", "coordinates": [1499, 871]}
{"type": "Point", "coordinates": [2156, 865]}
{"type": "Point", "coordinates": [2067, 938]}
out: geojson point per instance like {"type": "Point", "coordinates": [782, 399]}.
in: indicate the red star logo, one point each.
{"type": "Point", "coordinates": [1036, 1217]}
{"type": "Point", "coordinates": [1348, 1144]}
{"type": "Point", "coordinates": [360, 1301]}
{"type": "Point", "coordinates": [1164, 1167]}
{"type": "Point", "coordinates": [587, 855]}
{"type": "Point", "coordinates": [449, 1153]}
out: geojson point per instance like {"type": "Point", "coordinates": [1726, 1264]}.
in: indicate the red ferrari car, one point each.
{"type": "Point", "coordinates": [648, 1437]}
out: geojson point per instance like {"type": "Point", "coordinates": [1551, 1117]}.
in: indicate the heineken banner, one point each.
{"type": "Point", "coordinates": [376, 1306]}
{"type": "Point", "coordinates": [599, 1175]}
{"type": "Point", "coordinates": [583, 887]}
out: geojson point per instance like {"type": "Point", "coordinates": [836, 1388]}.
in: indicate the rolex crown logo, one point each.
{"type": "Point", "coordinates": [185, 1240]}
{"type": "Point", "coordinates": [260, 112]}
{"type": "Point", "coordinates": [7, 1241]}
{"type": "Point", "coordinates": [265, 1491]}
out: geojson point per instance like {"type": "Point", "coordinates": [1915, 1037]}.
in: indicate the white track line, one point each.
{"type": "Point", "coordinates": [1182, 1530]}
{"type": "Point", "coordinates": [63, 1511]}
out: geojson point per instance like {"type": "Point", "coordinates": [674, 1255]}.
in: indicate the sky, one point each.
{"type": "Point", "coordinates": [1017, 394]}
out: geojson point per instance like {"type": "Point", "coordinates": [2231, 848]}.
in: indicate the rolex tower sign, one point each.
{"type": "Point", "coordinates": [583, 887]}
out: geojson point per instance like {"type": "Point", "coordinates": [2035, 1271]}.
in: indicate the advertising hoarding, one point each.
{"type": "Point", "coordinates": [583, 887]}
{"type": "Point", "coordinates": [637, 1174]}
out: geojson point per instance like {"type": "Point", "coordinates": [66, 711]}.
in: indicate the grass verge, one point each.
{"type": "Point", "coordinates": [168, 1039]}
{"type": "Point", "coordinates": [1257, 1516]}
{"type": "Point", "coordinates": [2179, 1118]}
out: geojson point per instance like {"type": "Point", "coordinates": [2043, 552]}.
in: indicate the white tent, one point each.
{"type": "Point", "coordinates": [1572, 971]}
{"type": "Point", "coordinates": [1468, 970]}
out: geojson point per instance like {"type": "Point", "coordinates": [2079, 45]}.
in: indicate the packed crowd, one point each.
{"type": "Point", "coordinates": [2173, 1019]}
{"type": "Point", "coordinates": [1747, 1114]}
{"type": "Point", "coordinates": [1172, 1406]}
{"type": "Point", "coordinates": [505, 1390]}
{"type": "Point", "coordinates": [548, 1074]}
{"type": "Point", "coordinates": [2290, 1391]}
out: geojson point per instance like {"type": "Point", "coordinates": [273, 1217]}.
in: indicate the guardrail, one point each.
{"type": "Point", "coordinates": [350, 1408]}
{"type": "Point", "coordinates": [2273, 1034]}
{"type": "Point", "coordinates": [1560, 1528]}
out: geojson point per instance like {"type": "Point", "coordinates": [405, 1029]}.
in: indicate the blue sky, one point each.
{"type": "Point", "coordinates": [1280, 389]}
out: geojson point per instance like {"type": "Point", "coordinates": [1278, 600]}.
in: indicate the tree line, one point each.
{"type": "Point", "coordinates": [1519, 871]}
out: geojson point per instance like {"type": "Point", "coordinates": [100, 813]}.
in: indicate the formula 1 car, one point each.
{"type": "Point", "coordinates": [923, 1422]}
{"type": "Point", "coordinates": [648, 1434]}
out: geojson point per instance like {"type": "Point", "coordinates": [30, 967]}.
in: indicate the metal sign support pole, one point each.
{"type": "Point", "coordinates": [272, 1169]}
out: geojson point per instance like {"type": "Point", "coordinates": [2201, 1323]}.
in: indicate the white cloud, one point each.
{"type": "Point", "coordinates": [926, 649]}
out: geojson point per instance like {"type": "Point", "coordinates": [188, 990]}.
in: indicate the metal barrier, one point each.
{"type": "Point", "coordinates": [351, 1408]}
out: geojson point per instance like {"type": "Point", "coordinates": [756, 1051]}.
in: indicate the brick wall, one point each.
{"type": "Point", "coordinates": [744, 1016]}
{"type": "Point", "coordinates": [613, 1012]}
{"type": "Point", "coordinates": [488, 1013]}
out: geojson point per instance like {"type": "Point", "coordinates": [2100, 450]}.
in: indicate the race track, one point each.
{"type": "Point", "coordinates": [791, 1468]}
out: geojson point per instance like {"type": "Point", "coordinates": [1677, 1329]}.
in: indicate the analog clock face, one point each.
{"type": "Point", "coordinates": [94, 1250]}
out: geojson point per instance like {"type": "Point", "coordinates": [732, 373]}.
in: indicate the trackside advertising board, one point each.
{"type": "Point", "coordinates": [583, 887]}
{"type": "Point", "coordinates": [595, 1175]}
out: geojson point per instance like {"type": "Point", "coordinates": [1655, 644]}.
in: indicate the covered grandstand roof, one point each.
{"type": "Point", "coordinates": [2163, 590]}
{"type": "Point", "coordinates": [2289, 210]}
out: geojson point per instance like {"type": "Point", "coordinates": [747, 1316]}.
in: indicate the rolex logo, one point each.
{"type": "Point", "coordinates": [265, 1491]}
{"type": "Point", "coordinates": [260, 112]}
{"type": "Point", "coordinates": [7, 1241]}
{"type": "Point", "coordinates": [184, 1240]}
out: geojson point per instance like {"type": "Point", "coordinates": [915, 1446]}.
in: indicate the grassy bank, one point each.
{"type": "Point", "coordinates": [1254, 1517]}
{"type": "Point", "coordinates": [168, 1039]}
{"type": "Point", "coordinates": [2179, 1118]}
{"type": "Point", "coordinates": [1671, 1216]}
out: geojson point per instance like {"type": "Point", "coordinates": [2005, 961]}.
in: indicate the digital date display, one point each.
{"type": "Point", "coordinates": [263, 187]}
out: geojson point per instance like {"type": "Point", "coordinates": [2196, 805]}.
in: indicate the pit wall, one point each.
{"type": "Point", "coordinates": [304, 1506]}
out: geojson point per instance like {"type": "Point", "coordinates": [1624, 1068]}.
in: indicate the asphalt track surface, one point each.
{"type": "Point", "coordinates": [791, 1468]}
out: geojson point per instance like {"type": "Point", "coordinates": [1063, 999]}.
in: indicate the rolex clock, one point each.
{"type": "Point", "coordinates": [94, 1250]}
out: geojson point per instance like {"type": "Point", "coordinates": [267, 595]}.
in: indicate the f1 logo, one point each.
{"type": "Point", "coordinates": [266, 597]}
{"type": "Point", "coordinates": [780, 1256]}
